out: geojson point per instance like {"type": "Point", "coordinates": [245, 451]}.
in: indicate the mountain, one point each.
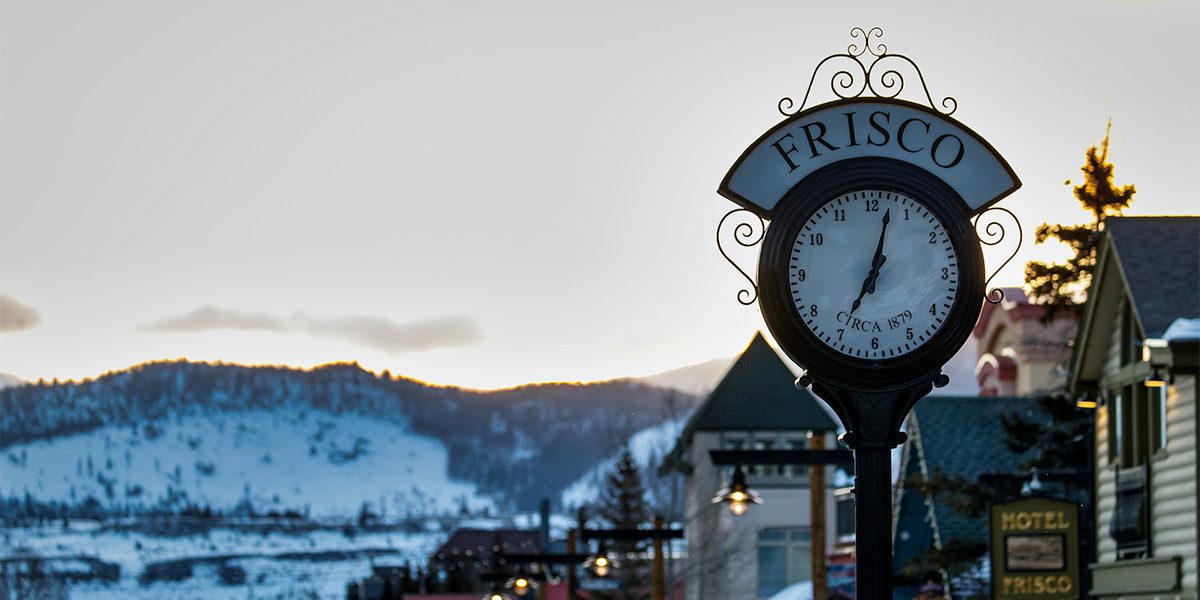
{"type": "Point", "coordinates": [699, 379]}
{"type": "Point", "coordinates": [171, 434]}
{"type": "Point", "coordinates": [8, 380]}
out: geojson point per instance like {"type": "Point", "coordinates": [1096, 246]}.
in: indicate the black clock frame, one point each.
{"type": "Point", "coordinates": [824, 364]}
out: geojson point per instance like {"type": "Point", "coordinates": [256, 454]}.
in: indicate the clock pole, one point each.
{"type": "Point", "coordinates": [872, 420]}
{"type": "Point", "coordinates": [873, 521]}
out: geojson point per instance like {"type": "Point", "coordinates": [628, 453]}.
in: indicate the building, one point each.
{"type": "Point", "coordinates": [1020, 354]}
{"type": "Point", "coordinates": [1019, 357]}
{"type": "Point", "coordinates": [460, 563]}
{"type": "Point", "coordinates": [1135, 359]}
{"type": "Point", "coordinates": [756, 406]}
{"type": "Point", "coordinates": [939, 430]}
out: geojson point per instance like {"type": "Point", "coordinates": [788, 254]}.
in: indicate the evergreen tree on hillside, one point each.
{"type": "Point", "coordinates": [623, 506]}
{"type": "Point", "coordinates": [1061, 286]}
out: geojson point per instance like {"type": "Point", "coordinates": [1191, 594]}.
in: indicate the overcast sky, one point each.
{"type": "Point", "coordinates": [487, 193]}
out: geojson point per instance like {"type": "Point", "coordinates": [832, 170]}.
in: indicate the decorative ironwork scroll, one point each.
{"type": "Point", "coordinates": [748, 232]}
{"type": "Point", "coordinates": [867, 67]}
{"type": "Point", "coordinates": [992, 234]}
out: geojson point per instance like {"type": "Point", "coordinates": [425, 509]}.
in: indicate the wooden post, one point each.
{"type": "Point", "coordinates": [816, 501]}
{"type": "Point", "coordinates": [571, 583]}
{"type": "Point", "coordinates": [658, 576]}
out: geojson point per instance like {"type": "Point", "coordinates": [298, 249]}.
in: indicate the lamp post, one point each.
{"type": "Point", "coordinates": [659, 533]}
{"type": "Point", "coordinates": [815, 459]}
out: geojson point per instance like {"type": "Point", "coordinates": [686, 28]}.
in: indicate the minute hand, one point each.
{"type": "Point", "coordinates": [876, 264]}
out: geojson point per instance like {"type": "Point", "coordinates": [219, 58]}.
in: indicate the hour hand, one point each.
{"type": "Point", "coordinates": [874, 276]}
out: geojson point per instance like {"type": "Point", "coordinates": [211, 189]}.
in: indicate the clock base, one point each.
{"type": "Point", "coordinates": [872, 419]}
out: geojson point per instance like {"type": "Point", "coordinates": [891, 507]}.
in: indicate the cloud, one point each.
{"type": "Point", "coordinates": [209, 318]}
{"type": "Point", "coordinates": [377, 333]}
{"type": "Point", "coordinates": [15, 316]}
{"type": "Point", "coordinates": [393, 338]}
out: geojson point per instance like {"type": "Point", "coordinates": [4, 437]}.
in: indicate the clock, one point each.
{"type": "Point", "coordinates": [871, 271]}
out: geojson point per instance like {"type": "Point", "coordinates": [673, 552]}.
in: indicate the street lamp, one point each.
{"type": "Point", "coordinates": [600, 563]}
{"type": "Point", "coordinates": [738, 496]}
{"type": "Point", "coordinates": [521, 583]}
{"type": "Point", "coordinates": [1156, 378]}
{"type": "Point", "coordinates": [496, 594]}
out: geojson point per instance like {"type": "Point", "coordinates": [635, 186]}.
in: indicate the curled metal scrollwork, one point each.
{"type": "Point", "coordinates": [992, 234]}
{"type": "Point", "coordinates": [748, 232]}
{"type": "Point", "coordinates": [865, 67]}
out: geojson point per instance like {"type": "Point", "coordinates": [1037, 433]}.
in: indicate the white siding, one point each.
{"type": "Point", "coordinates": [1173, 483]}
{"type": "Point", "coordinates": [1175, 522]}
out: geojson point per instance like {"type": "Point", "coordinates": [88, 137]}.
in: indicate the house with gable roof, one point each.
{"type": "Point", "coordinates": [1136, 361]}
{"type": "Point", "coordinates": [1020, 353]}
{"type": "Point", "coordinates": [955, 437]}
{"type": "Point", "coordinates": [755, 406]}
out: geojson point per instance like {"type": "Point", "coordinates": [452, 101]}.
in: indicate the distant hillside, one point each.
{"type": "Point", "coordinates": [699, 379]}
{"type": "Point", "coordinates": [515, 445]}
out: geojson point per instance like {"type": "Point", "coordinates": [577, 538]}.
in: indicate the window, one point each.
{"type": "Point", "coordinates": [1158, 418]}
{"type": "Point", "coordinates": [795, 471]}
{"type": "Point", "coordinates": [784, 558]}
{"type": "Point", "coordinates": [766, 441]}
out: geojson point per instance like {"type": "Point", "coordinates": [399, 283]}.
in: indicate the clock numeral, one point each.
{"type": "Point", "coordinates": [815, 239]}
{"type": "Point", "coordinates": [812, 310]}
{"type": "Point", "coordinates": [875, 343]}
{"type": "Point", "coordinates": [839, 214]}
{"type": "Point", "coordinates": [800, 275]}
{"type": "Point", "coordinates": [932, 237]}
{"type": "Point", "coordinates": [908, 334]}
{"type": "Point", "coordinates": [906, 214]}
{"type": "Point", "coordinates": [840, 332]}
{"type": "Point", "coordinates": [945, 273]}
{"type": "Point", "coordinates": [933, 309]}
{"type": "Point", "coordinates": [872, 205]}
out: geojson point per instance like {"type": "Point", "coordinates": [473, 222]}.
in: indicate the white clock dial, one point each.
{"type": "Point", "coordinates": [873, 274]}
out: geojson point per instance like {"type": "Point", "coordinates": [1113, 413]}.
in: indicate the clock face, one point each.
{"type": "Point", "coordinates": [873, 274]}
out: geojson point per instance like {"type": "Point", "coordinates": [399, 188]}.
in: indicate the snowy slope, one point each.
{"type": "Point", "coordinates": [297, 460]}
{"type": "Point", "coordinates": [648, 447]}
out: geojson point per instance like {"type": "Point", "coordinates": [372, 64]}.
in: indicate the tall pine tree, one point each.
{"type": "Point", "coordinates": [1061, 286]}
{"type": "Point", "coordinates": [623, 506]}
{"type": "Point", "coordinates": [1060, 438]}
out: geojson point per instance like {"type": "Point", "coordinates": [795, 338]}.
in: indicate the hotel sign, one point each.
{"type": "Point", "coordinates": [1035, 549]}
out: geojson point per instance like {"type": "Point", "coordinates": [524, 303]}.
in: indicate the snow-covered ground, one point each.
{"type": "Point", "coordinates": [326, 464]}
{"type": "Point", "coordinates": [276, 564]}
{"type": "Point", "coordinates": [797, 591]}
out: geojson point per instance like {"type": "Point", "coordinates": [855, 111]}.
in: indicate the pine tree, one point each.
{"type": "Point", "coordinates": [1059, 438]}
{"type": "Point", "coordinates": [624, 507]}
{"type": "Point", "coordinates": [1061, 286]}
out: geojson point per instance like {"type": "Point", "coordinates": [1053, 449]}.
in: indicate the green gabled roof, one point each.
{"type": "Point", "coordinates": [961, 436]}
{"type": "Point", "coordinates": [759, 393]}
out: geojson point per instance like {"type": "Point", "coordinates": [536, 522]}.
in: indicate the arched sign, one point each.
{"type": "Point", "coordinates": [868, 127]}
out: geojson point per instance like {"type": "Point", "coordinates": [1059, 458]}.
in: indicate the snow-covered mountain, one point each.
{"type": "Point", "coordinates": [308, 462]}
{"type": "Point", "coordinates": [180, 434]}
{"type": "Point", "coordinates": [698, 379]}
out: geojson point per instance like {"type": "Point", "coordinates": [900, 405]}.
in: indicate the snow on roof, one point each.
{"type": "Point", "coordinates": [1183, 329]}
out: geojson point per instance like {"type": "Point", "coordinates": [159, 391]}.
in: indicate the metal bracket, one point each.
{"type": "Point", "coordinates": [747, 234]}
{"type": "Point", "coordinates": [859, 74]}
{"type": "Point", "coordinates": [992, 234]}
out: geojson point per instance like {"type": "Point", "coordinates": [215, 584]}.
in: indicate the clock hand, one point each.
{"type": "Point", "coordinates": [869, 283]}
{"type": "Point", "coordinates": [876, 263]}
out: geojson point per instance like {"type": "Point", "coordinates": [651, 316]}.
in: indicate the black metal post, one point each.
{"type": "Point", "coordinates": [873, 522]}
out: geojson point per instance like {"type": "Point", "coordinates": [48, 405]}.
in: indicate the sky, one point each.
{"type": "Point", "coordinates": [489, 193]}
